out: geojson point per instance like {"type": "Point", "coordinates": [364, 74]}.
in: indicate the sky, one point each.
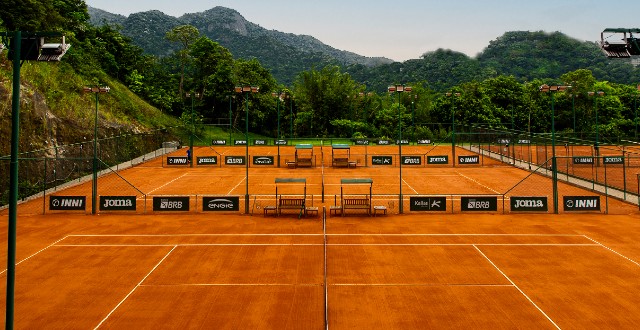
{"type": "Point", "coordinates": [404, 30]}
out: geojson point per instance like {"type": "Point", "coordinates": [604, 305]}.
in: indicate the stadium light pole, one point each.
{"type": "Point", "coordinates": [453, 127]}
{"type": "Point", "coordinates": [35, 52]}
{"type": "Point", "coordinates": [192, 96]}
{"type": "Point", "coordinates": [246, 90]}
{"type": "Point", "coordinates": [399, 89]}
{"type": "Point", "coordinates": [94, 186]}
{"type": "Point", "coordinates": [595, 106]}
{"type": "Point", "coordinates": [635, 106]}
{"type": "Point", "coordinates": [554, 164]}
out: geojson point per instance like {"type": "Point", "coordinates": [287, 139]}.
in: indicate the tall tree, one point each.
{"type": "Point", "coordinates": [185, 35]}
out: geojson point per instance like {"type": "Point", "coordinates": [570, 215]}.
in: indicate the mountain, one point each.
{"type": "Point", "coordinates": [285, 54]}
{"type": "Point", "coordinates": [525, 55]}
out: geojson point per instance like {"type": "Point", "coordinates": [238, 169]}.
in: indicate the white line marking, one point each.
{"type": "Point", "coordinates": [410, 187]}
{"type": "Point", "coordinates": [33, 255]}
{"type": "Point", "coordinates": [230, 284]}
{"type": "Point", "coordinates": [424, 284]}
{"type": "Point", "coordinates": [239, 183]}
{"type": "Point", "coordinates": [517, 288]}
{"type": "Point", "coordinates": [612, 250]}
{"type": "Point", "coordinates": [168, 183]}
{"type": "Point", "coordinates": [478, 183]}
{"type": "Point", "coordinates": [134, 289]}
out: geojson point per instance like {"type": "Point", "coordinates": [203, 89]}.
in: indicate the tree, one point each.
{"type": "Point", "coordinates": [185, 35]}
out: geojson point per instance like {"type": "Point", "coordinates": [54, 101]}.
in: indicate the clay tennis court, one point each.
{"type": "Point", "coordinates": [415, 270]}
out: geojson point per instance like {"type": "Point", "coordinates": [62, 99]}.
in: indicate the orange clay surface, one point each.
{"type": "Point", "coordinates": [400, 271]}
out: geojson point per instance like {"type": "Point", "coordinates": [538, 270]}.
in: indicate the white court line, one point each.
{"type": "Point", "coordinates": [168, 183]}
{"type": "Point", "coordinates": [425, 284]}
{"type": "Point", "coordinates": [187, 245]}
{"type": "Point", "coordinates": [189, 235]}
{"type": "Point", "coordinates": [239, 183]}
{"type": "Point", "coordinates": [478, 183]}
{"type": "Point", "coordinates": [229, 284]}
{"type": "Point", "coordinates": [410, 187]}
{"type": "Point", "coordinates": [134, 289]}
{"type": "Point", "coordinates": [33, 255]}
{"type": "Point", "coordinates": [517, 288]}
{"type": "Point", "coordinates": [612, 250]}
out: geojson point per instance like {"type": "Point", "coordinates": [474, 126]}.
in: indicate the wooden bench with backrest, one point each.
{"type": "Point", "coordinates": [304, 162]}
{"type": "Point", "coordinates": [341, 162]}
{"type": "Point", "coordinates": [356, 204]}
{"type": "Point", "coordinates": [290, 204]}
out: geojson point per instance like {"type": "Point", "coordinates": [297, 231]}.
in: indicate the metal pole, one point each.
{"type": "Point", "coordinates": [13, 187]}
{"type": "Point", "coordinates": [453, 131]}
{"type": "Point", "coordinates": [191, 133]}
{"type": "Point", "coordinates": [246, 196]}
{"type": "Point", "coordinates": [400, 207]}
{"type": "Point", "coordinates": [229, 119]}
{"type": "Point", "coordinates": [554, 164]}
{"type": "Point", "coordinates": [94, 186]}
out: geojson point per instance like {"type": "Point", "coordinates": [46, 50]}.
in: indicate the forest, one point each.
{"type": "Point", "coordinates": [195, 83]}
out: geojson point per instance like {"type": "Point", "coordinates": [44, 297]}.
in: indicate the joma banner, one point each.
{"type": "Point", "coordinates": [529, 204]}
{"type": "Point", "coordinates": [117, 203]}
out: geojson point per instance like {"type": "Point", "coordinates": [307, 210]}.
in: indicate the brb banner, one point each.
{"type": "Point", "coordinates": [529, 204]}
{"type": "Point", "coordinates": [219, 204]}
{"type": "Point", "coordinates": [428, 203]}
{"type": "Point", "coordinates": [67, 203]}
{"type": "Point", "coordinates": [479, 203]}
{"type": "Point", "coordinates": [234, 160]}
{"type": "Point", "coordinates": [171, 203]}
{"type": "Point", "coordinates": [117, 203]}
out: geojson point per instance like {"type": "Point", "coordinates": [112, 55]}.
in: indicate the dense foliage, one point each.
{"type": "Point", "coordinates": [499, 88]}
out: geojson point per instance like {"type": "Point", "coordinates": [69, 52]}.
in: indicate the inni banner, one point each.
{"type": "Point", "coordinates": [581, 203]}
{"type": "Point", "coordinates": [177, 161]}
{"type": "Point", "coordinates": [67, 203]}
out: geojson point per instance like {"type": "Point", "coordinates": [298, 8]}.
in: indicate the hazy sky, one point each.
{"type": "Point", "coordinates": [403, 30]}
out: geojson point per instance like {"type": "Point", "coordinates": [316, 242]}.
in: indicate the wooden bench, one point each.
{"type": "Point", "coordinates": [380, 208]}
{"type": "Point", "coordinates": [353, 163]}
{"type": "Point", "coordinates": [290, 204]}
{"type": "Point", "coordinates": [270, 208]}
{"type": "Point", "coordinates": [340, 162]}
{"type": "Point", "coordinates": [304, 162]}
{"type": "Point", "coordinates": [291, 164]}
{"type": "Point", "coordinates": [356, 204]}
{"type": "Point", "coordinates": [334, 209]}
{"type": "Point", "coordinates": [311, 210]}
